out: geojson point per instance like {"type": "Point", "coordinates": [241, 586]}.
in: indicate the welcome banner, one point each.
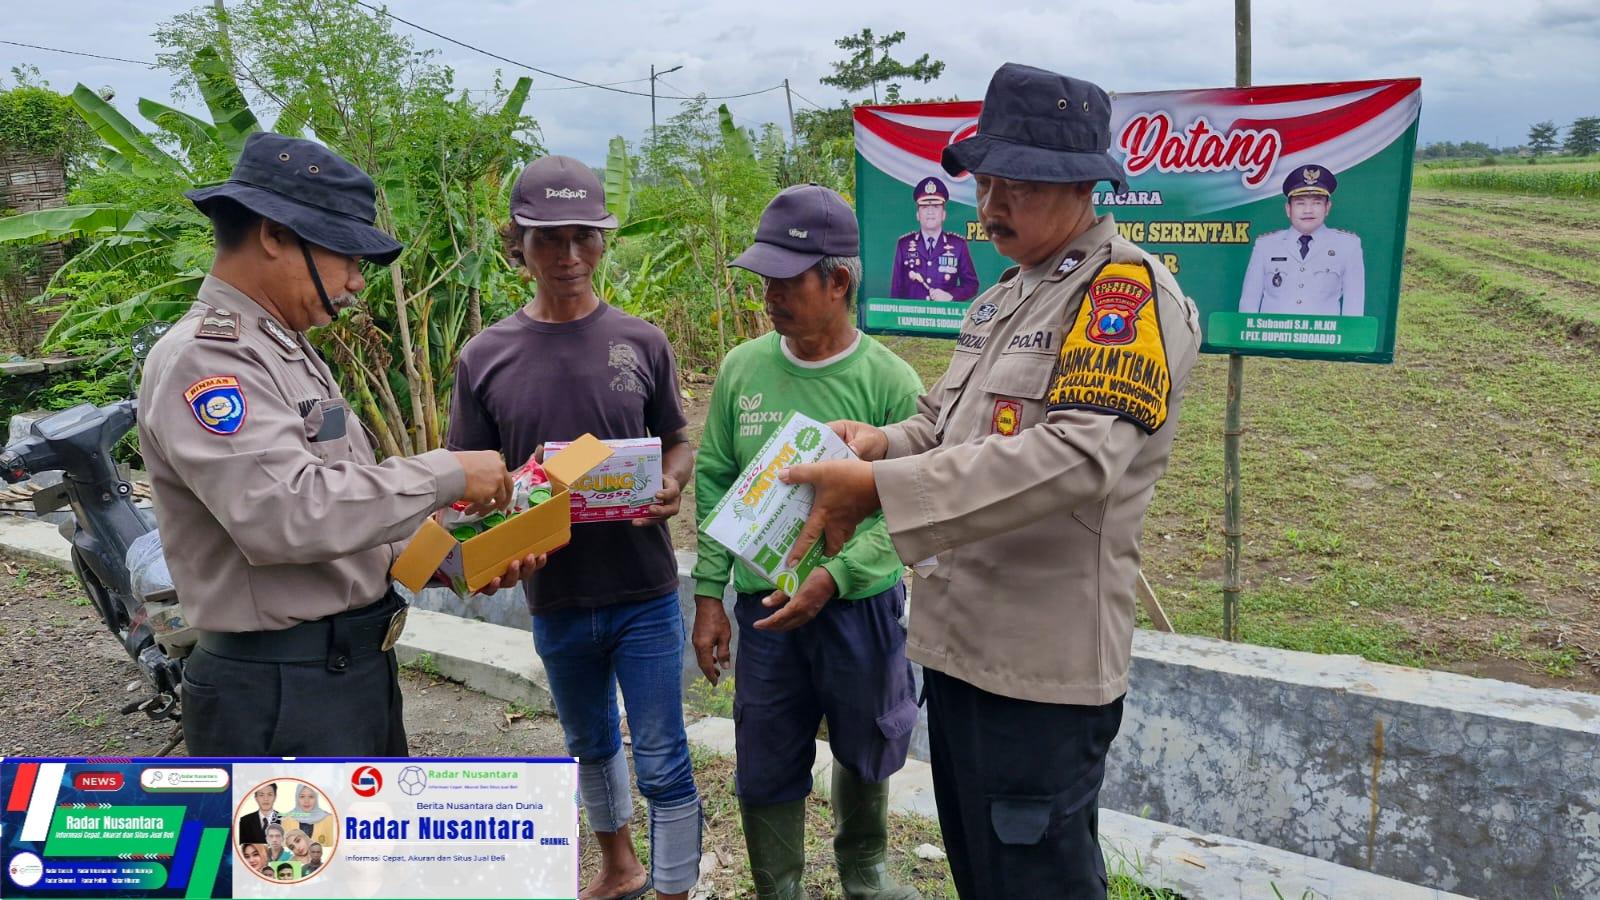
{"type": "Point", "coordinates": [1281, 210]}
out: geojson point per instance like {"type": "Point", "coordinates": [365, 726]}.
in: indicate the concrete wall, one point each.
{"type": "Point", "coordinates": [1476, 786]}
{"type": "Point", "coordinates": [1465, 784]}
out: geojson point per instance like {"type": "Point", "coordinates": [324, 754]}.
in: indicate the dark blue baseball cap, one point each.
{"type": "Point", "coordinates": [308, 189]}
{"type": "Point", "coordinates": [798, 228]}
{"type": "Point", "coordinates": [1039, 126]}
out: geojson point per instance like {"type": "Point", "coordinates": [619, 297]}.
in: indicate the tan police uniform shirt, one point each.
{"type": "Point", "coordinates": [1028, 467]}
{"type": "Point", "coordinates": [273, 509]}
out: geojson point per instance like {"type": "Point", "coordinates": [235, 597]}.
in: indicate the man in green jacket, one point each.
{"type": "Point", "coordinates": [836, 649]}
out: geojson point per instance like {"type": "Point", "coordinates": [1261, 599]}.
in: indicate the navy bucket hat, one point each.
{"type": "Point", "coordinates": [1039, 126]}
{"type": "Point", "coordinates": [308, 189]}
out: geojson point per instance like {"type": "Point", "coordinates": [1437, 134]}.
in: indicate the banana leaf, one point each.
{"type": "Point", "coordinates": [517, 98]}
{"type": "Point", "coordinates": [619, 180]}
{"type": "Point", "coordinates": [65, 222]}
{"type": "Point", "coordinates": [229, 109]}
{"type": "Point", "coordinates": [191, 130]}
{"type": "Point", "coordinates": [134, 146]}
{"type": "Point", "coordinates": [733, 137]}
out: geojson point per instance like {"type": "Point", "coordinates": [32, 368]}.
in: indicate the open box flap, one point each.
{"type": "Point", "coordinates": [576, 459]}
{"type": "Point", "coordinates": [421, 558]}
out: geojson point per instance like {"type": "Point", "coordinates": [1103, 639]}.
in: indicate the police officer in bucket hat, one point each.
{"type": "Point", "coordinates": [1025, 475]}
{"type": "Point", "coordinates": [280, 525]}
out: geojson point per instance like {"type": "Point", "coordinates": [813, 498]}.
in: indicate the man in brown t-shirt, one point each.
{"type": "Point", "coordinates": [605, 609]}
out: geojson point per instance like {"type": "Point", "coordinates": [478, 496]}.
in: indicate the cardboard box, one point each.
{"type": "Point", "coordinates": [621, 488]}
{"type": "Point", "coordinates": [473, 563]}
{"type": "Point", "coordinates": [760, 518]}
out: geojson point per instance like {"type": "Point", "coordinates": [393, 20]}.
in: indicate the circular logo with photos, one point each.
{"type": "Point", "coordinates": [285, 830]}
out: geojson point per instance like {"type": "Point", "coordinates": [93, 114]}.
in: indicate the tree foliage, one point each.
{"type": "Point", "coordinates": [1542, 138]}
{"type": "Point", "coordinates": [1583, 136]}
{"type": "Point", "coordinates": [331, 71]}
{"type": "Point", "coordinates": [38, 121]}
{"type": "Point", "coordinates": [870, 64]}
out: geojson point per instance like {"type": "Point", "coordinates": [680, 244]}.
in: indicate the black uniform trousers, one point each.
{"type": "Point", "coordinates": [1018, 785]}
{"type": "Point", "coordinates": [345, 704]}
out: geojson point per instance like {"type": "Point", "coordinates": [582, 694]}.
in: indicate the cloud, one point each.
{"type": "Point", "coordinates": [1487, 69]}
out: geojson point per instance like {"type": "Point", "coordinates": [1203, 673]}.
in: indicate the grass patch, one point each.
{"type": "Point", "coordinates": [424, 664]}
{"type": "Point", "coordinates": [1577, 179]}
{"type": "Point", "coordinates": [1421, 512]}
{"type": "Point", "coordinates": [703, 699]}
{"type": "Point", "coordinates": [724, 836]}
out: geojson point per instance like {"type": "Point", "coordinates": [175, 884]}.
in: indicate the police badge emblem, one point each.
{"type": "Point", "coordinates": [984, 313]}
{"type": "Point", "coordinates": [1116, 300]}
{"type": "Point", "coordinates": [218, 403]}
{"type": "Point", "coordinates": [1007, 417]}
{"type": "Point", "coordinates": [1277, 279]}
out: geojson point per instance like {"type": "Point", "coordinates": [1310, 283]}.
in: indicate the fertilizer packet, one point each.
{"type": "Point", "coordinates": [760, 518]}
{"type": "Point", "coordinates": [540, 521]}
{"type": "Point", "coordinates": [530, 487]}
{"type": "Point", "coordinates": [623, 487]}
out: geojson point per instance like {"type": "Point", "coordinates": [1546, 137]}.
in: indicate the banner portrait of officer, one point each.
{"type": "Point", "coordinates": [931, 263]}
{"type": "Point", "coordinates": [1307, 268]}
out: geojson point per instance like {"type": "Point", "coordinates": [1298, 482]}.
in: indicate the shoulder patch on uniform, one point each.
{"type": "Point", "coordinates": [279, 334]}
{"type": "Point", "coordinates": [1113, 358]}
{"type": "Point", "coordinates": [218, 325]}
{"type": "Point", "coordinates": [218, 403]}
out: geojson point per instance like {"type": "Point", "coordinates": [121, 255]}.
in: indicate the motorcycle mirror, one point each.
{"type": "Point", "coordinates": [146, 337]}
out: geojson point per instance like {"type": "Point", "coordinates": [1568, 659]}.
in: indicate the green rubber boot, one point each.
{"type": "Point", "coordinates": [775, 837]}
{"type": "Point", "coordinates": [861, 839]}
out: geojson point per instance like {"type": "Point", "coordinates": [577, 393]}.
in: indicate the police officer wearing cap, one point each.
{"type": "Point", "coordinates": [1308, 268]}
{"type": "Point", "coordinates": [279, 523]}
{"type": "Point", "coordinates": [931, 263]}
{"type": "Point", "coordinates": [1024, 477]}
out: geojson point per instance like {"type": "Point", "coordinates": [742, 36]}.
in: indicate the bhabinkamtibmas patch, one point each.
{"type": "Point", "coordinates": [1112, 358]}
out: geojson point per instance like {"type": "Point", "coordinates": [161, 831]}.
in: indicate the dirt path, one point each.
{"type": "Point", "coordinates": [68, 680]}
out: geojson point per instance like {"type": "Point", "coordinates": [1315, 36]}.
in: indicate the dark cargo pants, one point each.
{"type": "Point", "coordinates": [1018, 788]}
{"type": "Point", "coordinates": [847, 665]}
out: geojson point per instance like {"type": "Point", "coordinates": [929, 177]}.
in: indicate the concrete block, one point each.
{"type": "Point", "coordinates": [491, 659]}
{"type": "Point", "coordinates": [1467, 784]}
{"type": "Point", "coordinates": [1222, 868]}
{"type": "Point", "coordinates": [1158, 855]}
{"type": "Point", "coordinates": [35, 539]}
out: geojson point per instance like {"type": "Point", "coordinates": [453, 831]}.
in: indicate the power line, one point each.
{"type": "Point", "coordinates": [803, 97]}
{"type": "Point", "coordinates": [579, 87]}
{"type": "Point", "coordinates": [137, 62]}
{"type": "Point", "coordinates": [577, 81]}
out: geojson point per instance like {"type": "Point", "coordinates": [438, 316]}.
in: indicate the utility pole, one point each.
{"type": "Point", "coordinates": [794, 136]}
{"type": "Point", "coordinates": [653, 76]}
{"type": "Point", "coordinates": [225, 47]}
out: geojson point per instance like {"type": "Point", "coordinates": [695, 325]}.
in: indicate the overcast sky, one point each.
{"type": "Point", "coordinates": [1488, 69]}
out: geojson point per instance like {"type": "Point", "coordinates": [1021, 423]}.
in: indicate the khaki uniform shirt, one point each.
{"type": "Point", "coordinates": [1028, 468]}
{"type": "Point", "coordinates": [272, 507]}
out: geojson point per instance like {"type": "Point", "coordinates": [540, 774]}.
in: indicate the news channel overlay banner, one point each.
{"type": "Point", "coordinates": [375, 828]}
{"type": "Point", "coordinates": [1207, 172]}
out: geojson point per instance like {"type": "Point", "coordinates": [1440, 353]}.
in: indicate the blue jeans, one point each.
{"type": "Point", "coordinates": [587, 654]}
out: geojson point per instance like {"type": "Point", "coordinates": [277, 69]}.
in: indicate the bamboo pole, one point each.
{"type": "Point", "coordinates": [1233, 532]}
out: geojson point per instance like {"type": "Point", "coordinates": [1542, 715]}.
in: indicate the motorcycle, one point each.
{"type": "Point", "coordinates": [116, 549]}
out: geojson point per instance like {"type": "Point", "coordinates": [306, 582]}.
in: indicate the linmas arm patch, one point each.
{"type": "Point", "coordinates": [1113, 358]}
